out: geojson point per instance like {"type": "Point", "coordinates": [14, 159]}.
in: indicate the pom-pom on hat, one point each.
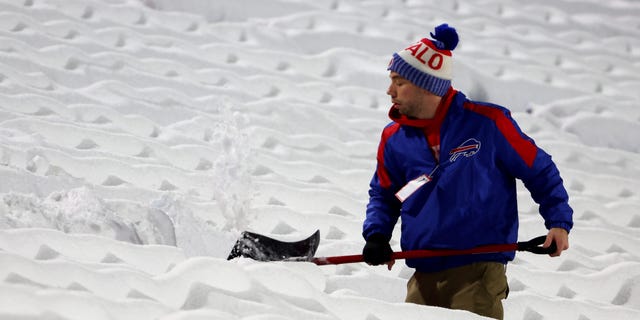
{"type": "Point", "coordinates": [428, 62]}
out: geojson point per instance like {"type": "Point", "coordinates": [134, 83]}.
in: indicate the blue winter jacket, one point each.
{"type": "Point", "coordinates": [470, 197]}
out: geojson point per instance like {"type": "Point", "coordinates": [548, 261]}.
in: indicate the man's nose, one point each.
{"type": "Point", "coordinates": [391, 91]}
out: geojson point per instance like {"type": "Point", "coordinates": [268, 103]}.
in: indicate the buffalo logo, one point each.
{"type": "Point", "coordinates": [467, 149]}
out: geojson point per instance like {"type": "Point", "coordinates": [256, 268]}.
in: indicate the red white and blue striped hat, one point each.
{"type": "Point", "coordinates": [428, 63]}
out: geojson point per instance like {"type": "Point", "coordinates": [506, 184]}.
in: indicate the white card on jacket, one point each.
{"type": "Point", "coordinates": [412, 187]}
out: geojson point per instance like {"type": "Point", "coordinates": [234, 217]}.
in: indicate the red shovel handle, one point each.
{"type": "Point", "coordinates": [531, 246]}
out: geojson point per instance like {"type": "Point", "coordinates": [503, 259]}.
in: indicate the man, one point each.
{"type": "Point", "coordinates": [448, 167]}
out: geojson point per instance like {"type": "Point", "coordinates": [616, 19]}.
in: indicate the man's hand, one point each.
{"type": "Point", "coordinates": [561, 237]}
{"type": "Point", "coordinates": [377, 251]}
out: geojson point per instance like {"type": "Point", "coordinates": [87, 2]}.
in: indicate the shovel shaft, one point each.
{"type": "Point", "coordinates": [415, 254]}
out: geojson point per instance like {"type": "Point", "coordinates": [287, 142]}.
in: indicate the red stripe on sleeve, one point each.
{"type": "Point", "coordinates": [524, 147]}
{"type": "Point", "coordinates": [383, 175]}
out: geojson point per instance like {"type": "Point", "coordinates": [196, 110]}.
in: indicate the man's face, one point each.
{"type": "Point", "coordinates": [408, 98]}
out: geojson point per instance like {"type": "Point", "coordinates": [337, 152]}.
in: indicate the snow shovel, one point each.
{"type": "Point", "coordinates": [262, 248]}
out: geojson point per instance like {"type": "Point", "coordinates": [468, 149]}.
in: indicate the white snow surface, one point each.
{"type": "Point", "coordinates": [138, 139]}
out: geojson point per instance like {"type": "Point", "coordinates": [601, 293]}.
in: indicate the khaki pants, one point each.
{"type": "Point", "coordinates": [478, 287]}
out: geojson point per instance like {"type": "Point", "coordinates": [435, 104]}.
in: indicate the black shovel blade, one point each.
{"type": "Point", "coordinates": [262, 248]}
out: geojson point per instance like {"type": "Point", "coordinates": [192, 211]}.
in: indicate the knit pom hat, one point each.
{"type": "Point", "coordinates": [428, 62]}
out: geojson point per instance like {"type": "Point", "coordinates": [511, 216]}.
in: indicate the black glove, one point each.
{"type": "Point", "coordinates": [377, 250]}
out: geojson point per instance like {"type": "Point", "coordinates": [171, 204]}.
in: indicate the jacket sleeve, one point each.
{"type": "Point", "coordinates": [529, 163]}
{"type": "Point", "coordinates": [383, 208]}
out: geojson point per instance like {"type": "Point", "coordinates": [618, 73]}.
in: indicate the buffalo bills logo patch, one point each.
{"type": "Point", "coordinates": [467, 149]}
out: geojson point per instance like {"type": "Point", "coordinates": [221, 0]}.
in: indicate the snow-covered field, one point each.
{"type": "Point", "coordinates": [138, 139]}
